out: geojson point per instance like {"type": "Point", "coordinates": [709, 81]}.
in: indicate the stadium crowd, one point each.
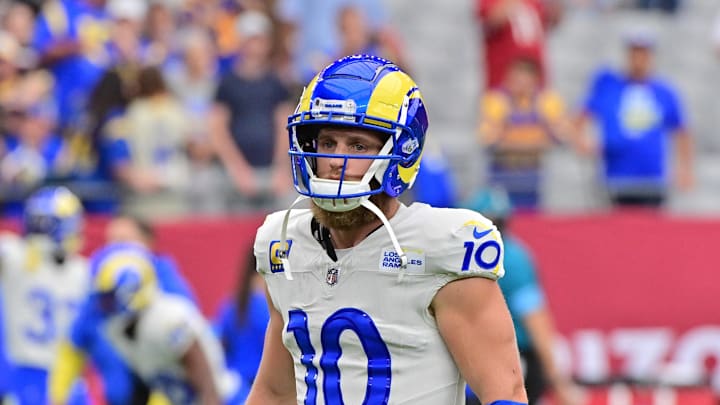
{"type": "Point", "coordinates": [175, 108]}
{"type": "Point", "coordinates": [163, 108]}
{"type": "Point", "coordinates": [168, 108]}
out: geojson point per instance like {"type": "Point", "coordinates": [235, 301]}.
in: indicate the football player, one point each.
{"type": "Point", "coordinates": [86, 340]}
{"type": "Point", "coordinates": [162, 337]}
{"type": "Point", "coordinates": [44, 280]}
{"type": "Point", "coordinates": [372, 301]}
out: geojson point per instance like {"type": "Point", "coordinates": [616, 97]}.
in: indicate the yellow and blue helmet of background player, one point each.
{"type": "Point", "coordinates": [366, 92]}
{"type": "Point", "coordinates": [123, 278]}
{"type": "Point", "coordinates": [55, 212]}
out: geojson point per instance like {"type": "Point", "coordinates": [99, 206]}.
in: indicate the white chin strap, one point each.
{"type": "Point", "coordinates": [283, 251]}
{"type": "Point", "coordinates": [401, 253]}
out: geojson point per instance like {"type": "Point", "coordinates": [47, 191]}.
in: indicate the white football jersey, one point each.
{"type": "Point", "coordinates": [164, 332]}
{"type": "Point", "coordinates": [40, 299]}
{"type": "Point", "coordinates": [356, 331]}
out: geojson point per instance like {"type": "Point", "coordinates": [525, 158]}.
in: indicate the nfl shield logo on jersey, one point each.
{"type": "Point", "coordinates": [332, 276]}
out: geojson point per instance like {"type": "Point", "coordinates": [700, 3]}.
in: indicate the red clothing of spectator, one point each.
{"type": "Point", "coordinates": [511, 29]}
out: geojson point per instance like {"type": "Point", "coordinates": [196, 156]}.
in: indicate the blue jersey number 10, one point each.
{"type": "Point", "coordinates": [379, 372]}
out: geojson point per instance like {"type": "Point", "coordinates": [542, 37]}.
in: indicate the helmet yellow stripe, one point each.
{"type": "Point", "coordinates": [108, 273]}
{"type": "Point", "coordinates": [304, 104]}
{"type": "Point", "coordinates": [388, 95]}
{"type": "Point", "coordinates": [66, 204]}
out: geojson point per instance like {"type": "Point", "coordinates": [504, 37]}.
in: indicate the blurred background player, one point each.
{"type": "Point", "coordinates": [125, 228]}
{"type": "Point", "coordinates": [242, 320]}
{"type": "Point", "coordinates": [122, 386]}
{"type": "Point", "coordinates": [534, 328]}
{"type": "Point", "coordinates": [162, 337]}
{"type": "Point", "coordinates": [44, 281]}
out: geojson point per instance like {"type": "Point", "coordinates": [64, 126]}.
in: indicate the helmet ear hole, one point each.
{"type": "Point", "coordinates": [307, 136]}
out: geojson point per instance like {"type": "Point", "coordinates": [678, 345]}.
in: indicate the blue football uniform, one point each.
{"type": "Point", "coordinates": [87, 336]}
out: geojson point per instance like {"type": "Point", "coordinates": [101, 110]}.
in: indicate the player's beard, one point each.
{"type": "Point", "coordinates": [354, 218]}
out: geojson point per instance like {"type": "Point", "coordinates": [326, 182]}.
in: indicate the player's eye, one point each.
{"type": "Point", "coordinates": [326, 145]}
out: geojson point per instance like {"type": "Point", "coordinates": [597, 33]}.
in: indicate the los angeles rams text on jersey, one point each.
{"type": "Point", "coordinates": [369, 335]}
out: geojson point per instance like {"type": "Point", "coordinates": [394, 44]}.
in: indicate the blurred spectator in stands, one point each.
{"type": "Point", "coordinates": [519, 121]}
{"type": "Point", "coordinates": [668, 6]}
{"type": "Point", "coordinates": [637, 113]}
{"type": "Point", "coordinates": [227, 35]}
{"type": "Point", "coordinates": [715, 34]}
{"type": "Point", "coordinates": [241, 321]}
{"type": "Point", "coordinates": [149, 150]}
{"type": "Point", "coordinates": [163, 22]}
{"type": "Point", "coordinates": [311, 27]}
{"type": "Point", "coordinates": [19, 21]}
{"type": "Point", "coordinates": [249, 118]}
{"type": "Point", "coordinates": [92, 149]}
{"type": "Point", "coordinates": [9, 69]}
{"type": "Point", "coordinates": [71, 39]}
{"type": "Point", "coordinates": [107, 100]}
{"type": "Point", "coordinates": [9, 81]}
{"type": "Point", "coordinates": [534, 327]}
{"type": "Point", "coordinates": [225, 31]}
{"type": "Point", "coordinates": [358, 37]}
{"type": "Point", "coordinates": [201, 14]}
{"type": "Point", "coordinates": [512, 29]}
{"type": "Point", "coordinates": [126, 44]}
{"type": "Point", "coordinates": [194, 83]}
{"type": "Point", "coordinates": [34, 152]}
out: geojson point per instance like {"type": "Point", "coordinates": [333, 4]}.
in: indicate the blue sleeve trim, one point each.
{"type": "Point", "coordinates": [504, 402]}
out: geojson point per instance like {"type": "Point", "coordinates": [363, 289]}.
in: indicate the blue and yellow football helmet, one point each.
{"type": "Point", "coordinates": [123, 278]}
{"type": "Point", "coordinates": [55, 212]}
{"type": "Point", "coordinates": [365, 92]}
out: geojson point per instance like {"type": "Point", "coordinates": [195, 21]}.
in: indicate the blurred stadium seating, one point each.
{"type": "Point", "coordinates": [438, 35]}
{"type": "Point", "coordinates": [634, 293]}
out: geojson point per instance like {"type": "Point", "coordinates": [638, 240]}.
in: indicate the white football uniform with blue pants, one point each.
{"type": "Point", "coordinates": [40, 300]}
